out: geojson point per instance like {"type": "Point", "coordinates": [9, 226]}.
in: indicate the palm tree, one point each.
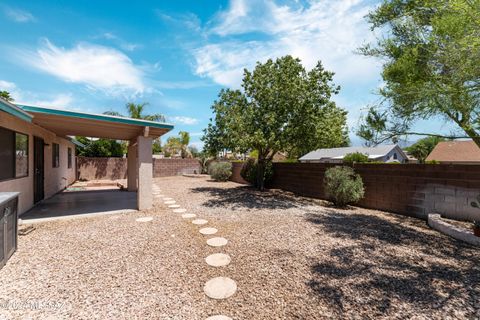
{"type": "Point", "coordinates": [6, 96]}
{"type": "Point", "coordinates": [184, 139]}
{"type": "Point", "coordinates": [135, 111]}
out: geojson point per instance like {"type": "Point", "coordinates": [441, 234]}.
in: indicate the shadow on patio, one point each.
{"type": "Point", "coordinates": [81, 203]}
{"type": "Point", "coordinates": [387, 263]}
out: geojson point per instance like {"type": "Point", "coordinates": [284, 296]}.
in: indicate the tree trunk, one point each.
{"type": "Point", "coordinates": [261, 173]}
{"type": "Point", "coordinates": [472, 134]}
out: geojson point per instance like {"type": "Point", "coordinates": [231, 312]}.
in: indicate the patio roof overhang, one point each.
{"type": "Point", "coordinates": [72, 123]}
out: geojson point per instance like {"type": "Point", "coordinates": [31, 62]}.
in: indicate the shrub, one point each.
{"type": "Point", "coordinates": [249, 172]}
{"type": "Point", "coordinates": [220, 171]}
{"type": "Point", "coordinates": [355, 157]}
{"type": "Point", "coordinates": [432, 162]}
{"type": "Point", "coordinates": [343, 186]}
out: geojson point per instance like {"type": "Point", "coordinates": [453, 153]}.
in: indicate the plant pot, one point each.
{"type": "Point", "coordinates": [476, 231]}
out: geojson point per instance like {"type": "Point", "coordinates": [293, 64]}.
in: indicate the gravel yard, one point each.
{"type": "Point", "coordinates": [291, 258]}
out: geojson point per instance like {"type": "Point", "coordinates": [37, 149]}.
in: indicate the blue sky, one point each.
{"type": "Point", "coordinates": [95, 56]}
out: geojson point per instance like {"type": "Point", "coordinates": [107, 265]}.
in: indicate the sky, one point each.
{"type": "Point", "coordinates": [96, 56]}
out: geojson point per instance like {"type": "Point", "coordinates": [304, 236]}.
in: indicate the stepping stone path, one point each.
{"type": "Point", "coordinates": [217, 242]}
{"type": "Point", "coordinates": [216, 288]}
{"type": "Point", "coordinates": [199, 221]}
{"type": "Point", "coordinates": [218, 260]}
{"type": "Point", "coordinates": [220, 288]}
{"type": "Point", "coordinates": [208, 231]}
{"type": "Point", "coordinates": [144, 219]}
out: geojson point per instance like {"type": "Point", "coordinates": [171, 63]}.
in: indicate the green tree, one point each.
{"type": "Point", "coordinates": [431, 50]}
{"type": "Point", "coordinates": [422, 148]}
{"type": "Point", "coordinates": [184, 139]}
{"type": "Point", "coordinates": [99, 148]}
{"type": "Point", "coordinates": [282, 107]}
{"type": "Point", "coordinates": [156, 146]}
{"type": "Point", "coordinates": [355, 157]}
{"type": "Point", "coordinates": [173, 146]}
{"type": "Point", "coordinates": [6, 96]}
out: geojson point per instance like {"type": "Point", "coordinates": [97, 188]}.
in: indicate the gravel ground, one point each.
{"type": "Point", "coordinates": [292, 258]}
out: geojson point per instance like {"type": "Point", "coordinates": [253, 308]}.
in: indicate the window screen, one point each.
{"type": "Point", "coordinates": [7, 159]}
{"type": "Point", "coordinates": [21, 155]}
{"type": "Point", "coordinates": [55, 155]}
{"type": "Point", "coordinates": [69, 158]}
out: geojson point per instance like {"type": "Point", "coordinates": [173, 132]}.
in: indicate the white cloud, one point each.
{"type": "Point", "coordinates": [329, 31]}
{"type": "Point", "coordinates": [125, 45]}
{"type": "Point", "coordinates": [18, 15]}
{"type": "Point", "coordinates": [185, 120]}
{"type": "Point", "coordinates": [98, 67]}
{"type": "Point", "coordinates": [58, 100]}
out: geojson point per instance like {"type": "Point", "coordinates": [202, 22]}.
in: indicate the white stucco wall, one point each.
{"type": "Point", "coordinates": [56, 179]}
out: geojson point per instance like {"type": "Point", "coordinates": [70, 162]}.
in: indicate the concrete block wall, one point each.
{"type": "Point", "coordinates": [409, 189]}
{"type": "Point", "coordinates": [116, 168]}
{"type": "Point", "coordinates": [175, 167]}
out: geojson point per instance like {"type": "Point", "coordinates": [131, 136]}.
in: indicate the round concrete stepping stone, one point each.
{"type": "Point", "coordinates": [219, 317]}
{"type": "Point", "coordinates": [220, 288]}
{"type": "Point", "coordinates": [208, 231]}
{"type": "Point", "coordinates": [217, 242]}
{"type": "Point", "coordinates": [144, 219]}
{"type": "Point", "coordinates": [218, 260]}
{"type": "Point", "coordinates": [170, 202]}
{"type": "Point", "coordinates": [199, 221]}
{"type": "Point", "coordinates": [167, 199]}
{"type": "Point", "coordinates": [174, 206]}
{"type": "Point", "coordinates": [179, 210]}
{"type": "Point", "coordinates": [188, 215]}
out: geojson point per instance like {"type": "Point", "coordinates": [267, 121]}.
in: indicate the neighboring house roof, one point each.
{"type": "Point", "coordinates": [455, 151]}
{"type": "Point", "coordinates": [339, 153]}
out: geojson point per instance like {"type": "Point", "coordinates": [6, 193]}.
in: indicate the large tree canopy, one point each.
{"type": "Point", "coordinates": [431, 50]}
{"type": "Point", "coordinates": [282, 107]}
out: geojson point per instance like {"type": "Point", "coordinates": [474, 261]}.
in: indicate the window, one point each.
{"type": "Point", "coordinates": [55, 155]}
{"type": "Point", "coordinates": [21, 155]}
{"type": "Point", "coordinates": [395, 156]}
{"type": "Point", "coordinates": [69, 158]}
{"type": "Point", "coordinates": [13, 154]}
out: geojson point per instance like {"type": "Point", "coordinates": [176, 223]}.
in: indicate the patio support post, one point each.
{"type": "Point", "coordinates": [132, 166]}
{"type": "Point", "coordinates": [145, 173]}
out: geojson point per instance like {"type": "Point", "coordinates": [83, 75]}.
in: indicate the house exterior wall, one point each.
{"type": "Point", "coordinates": [56, 179]}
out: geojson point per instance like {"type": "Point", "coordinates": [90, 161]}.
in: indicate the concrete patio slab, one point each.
{"type": "Point", "coordinates": [82, 204]}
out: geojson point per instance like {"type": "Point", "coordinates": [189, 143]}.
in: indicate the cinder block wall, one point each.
{"type": "Point", "coordinates": [175, 167]}
{"type": "Point", "coordinates": [116, 168]}
{"type": "Point", "coordinates": [410, 189]}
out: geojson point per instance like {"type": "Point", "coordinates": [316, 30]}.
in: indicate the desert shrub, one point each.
{"type": "Point", "coordinates": [343, 186]}
{"type": "Point", "coordinates": [220, 171]}
{"type": "Point", "coordinates": [249, 172]}
{"type": "Point", "coordinates": [355, 157]}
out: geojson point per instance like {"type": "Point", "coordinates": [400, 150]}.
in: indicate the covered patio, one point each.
{"type": "Point", "coordinates": [138, 132]}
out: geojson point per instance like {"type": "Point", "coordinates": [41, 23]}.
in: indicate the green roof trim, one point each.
{"type": "Point", "coordinates": [98, 117]}
{"type": "Point", "coordinates": [12, 109]}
